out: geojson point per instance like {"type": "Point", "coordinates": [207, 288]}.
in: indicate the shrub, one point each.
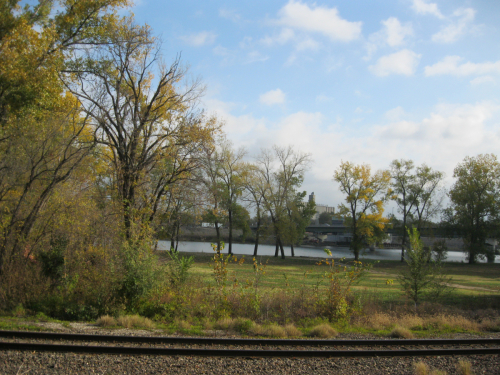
{"type": "Point", "coordinates": [140, 271]}
{"type": "Point", "coordinates": [340, 278]}
{"type": "Point", "coordinates": [178, 268]}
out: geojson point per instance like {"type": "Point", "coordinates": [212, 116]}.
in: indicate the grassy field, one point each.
{"type": "Point", "coordinates": [286, 298]}
{"type": "Point", "coordinates": [471, 284]}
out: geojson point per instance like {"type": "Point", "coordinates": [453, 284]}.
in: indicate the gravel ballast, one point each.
{"type": "Point", "coordinates": [19, 362]}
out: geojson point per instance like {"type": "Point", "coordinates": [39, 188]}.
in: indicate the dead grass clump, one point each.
{"type": "Point", "coordinates": [135, 321]}
{"type": "Point", "coordinates": [464, 367]}
{"type": "Point", "coordinates": [323, 331]}
{"type": "Point", "coordinates": [411, 321]}
{"type": "Point", "coordinates": [452, 322]}
{"type": "Point", "coordinates": [224, 323]}
{"type": "Point", "coordinates": [106, 321]}
{"type": "Point", "coordinates": [242, 325]}
{"type": "Point", "coordinates": [183, 324]}
{"type": "Point", "coordinates": [401, 333]}
{"type": "Point", "coordinates": [274, 330]}
{"type": "Point", "coordinates": [422, 368]}
{"type": "Point", "coordinates": [378, 321]}
{"type": "Point", "coordinates": [292, 331]}
{"type": "Point", "coordinates": [490, 325]}
{"type": "Point", "coordinates": [257, 330]}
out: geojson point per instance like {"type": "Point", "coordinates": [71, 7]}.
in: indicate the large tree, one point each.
{"type": "Point", "coordinates": [232, 171]}
{"type": "Point", "coordinates": [475, 202]}
{"type": "Point", "coordinates": [143, 114]}
{"type": "Point", "coordinates": [415, 192]}
{"type": "Point", "coordinates": [281, 171]}
{"type": "Point", "coordinates": [43, 137]}
{"type": "Point", "coordinates": [365, 198]}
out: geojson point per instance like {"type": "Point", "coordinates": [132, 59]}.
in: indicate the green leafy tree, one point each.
{"type": "Point", "coordinates": [415, 192]}
{"type": "Point", "coordinates": [423, 275]}
{"type": "Point", "coordinates": [326, 217]}
{"type": "Point", "coordinates": [365, 198]}
{"type": "Point", "coordinates": [280, 174]}
{"type": "Point", "coordinates": [475, 197]}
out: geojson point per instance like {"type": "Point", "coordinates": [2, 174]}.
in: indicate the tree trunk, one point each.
{"type": "Point", "coordinates": [230, 239]}
{"type": "Point", "coordinates": [293, 251]}
{"type": "Point", "coordinates": [281, 249]}
{"type": "Point", "coordinates": [256, 246]}
{"type": "Point", "coordinates": [403, 240]}
{"type": "Point", "coordinates": [217, 230]}
{"type": "Point", "coordinates": [178, 227]}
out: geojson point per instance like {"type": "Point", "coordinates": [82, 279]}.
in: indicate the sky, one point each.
{"type": "Point", "coordinates": [348, 80]}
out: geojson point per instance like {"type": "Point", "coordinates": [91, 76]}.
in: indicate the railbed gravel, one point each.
{"type": "Point", "coordinates": [19, 362]}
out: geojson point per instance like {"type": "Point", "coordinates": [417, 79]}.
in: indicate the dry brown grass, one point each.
{"type": "Point", "coordinates": [224, 323]}
{"type": "Point", "coordinates": [292, 331]}
{"type": "Point", "coordinates": [323, 331]}
{"type": "Point", "coordinates": [411, 321]}
{"type": "Point", "coordinates": [490, 325]}
{"type": "Point", "coordinates": [422, 368]}
{"type": "Point", "coordinates": [377, 321]}
{"type": "Point", "coordinates": [383, 321]}
{"type": "Point", "coordinates": [442, 321]}
{"type": "Point", "coordinates": [106, 321]}
{"type": "Point", "coordinates": [274, 330]}
{"type": "Point", "coordinates": [135, 321]}
{"type": "Point", "coordinates": [401, 333]}
{"type": "Point", "coordinates": [183, 324]}
{"type": "Point", "coordinates": [464, 367]}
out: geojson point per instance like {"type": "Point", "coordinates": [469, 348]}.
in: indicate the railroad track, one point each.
{"type": "Point", "coordinates": [224, 347]}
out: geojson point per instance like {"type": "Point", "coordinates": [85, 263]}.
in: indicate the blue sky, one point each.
{"type": "Point", "coordinates": [361, 81]}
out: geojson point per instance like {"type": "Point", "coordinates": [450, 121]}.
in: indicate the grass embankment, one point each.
{"type": "Point", "coordinates": [382, 308]}
{"type": "Point", "coordinates": [296, 297]}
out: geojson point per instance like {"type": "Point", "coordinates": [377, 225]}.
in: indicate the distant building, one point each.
{"type": "Point", "coordinates": [320, 208]}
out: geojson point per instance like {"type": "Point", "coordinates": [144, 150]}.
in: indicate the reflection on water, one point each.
{"type": "Point", "coordinates": [304, 251]}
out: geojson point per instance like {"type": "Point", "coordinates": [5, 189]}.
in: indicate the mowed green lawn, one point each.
{"type": "Point", "coordinates": [467, 280]}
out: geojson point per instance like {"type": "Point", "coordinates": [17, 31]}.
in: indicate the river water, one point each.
{"type": "Point", "coordinates": [304, 251]}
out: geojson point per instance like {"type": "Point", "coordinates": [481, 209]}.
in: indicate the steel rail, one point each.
{"type": "Point", "coordinates": [243, 352]}
{"type": "Point", "coordinates": [238, 341]}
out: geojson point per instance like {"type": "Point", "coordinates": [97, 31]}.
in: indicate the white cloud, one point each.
{"type": "Point", "coordinates": [318, 19]}
{"type": "Point", "coordinates": [283, 37]}
{"type": "Point", "coordinates": [199, 39]}
{"type": "Point", "coordinates": [395, 114]}
{"type": "Point", "coordinates": [255, 56]}
{"type": "Point", "coordinates": [441, 139]}
{"type": "Point", "coordinates": [393, 34]}
{"type": "Point", "coordinates": [450, 124]}
{"type": "Point", "coordinates": [452, 32]}
{"type": "Point", "coordinates": [403, 62]}
{"type": "Point", "coordinates": [482, 79]}
{"type": "Point", "coordinates": [229, 14]}
{"type": "Point", "coordinates": [273, 97]}
{"type": "Point", "coordinates": [422, 7]}
{"type": "Point", "coordinates": [307, 44]}
{"type": "Point", "coordinates": [450, 65]}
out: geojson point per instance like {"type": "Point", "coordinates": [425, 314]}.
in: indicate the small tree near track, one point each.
{"type": "Point", "coordinates": [423, 275]}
